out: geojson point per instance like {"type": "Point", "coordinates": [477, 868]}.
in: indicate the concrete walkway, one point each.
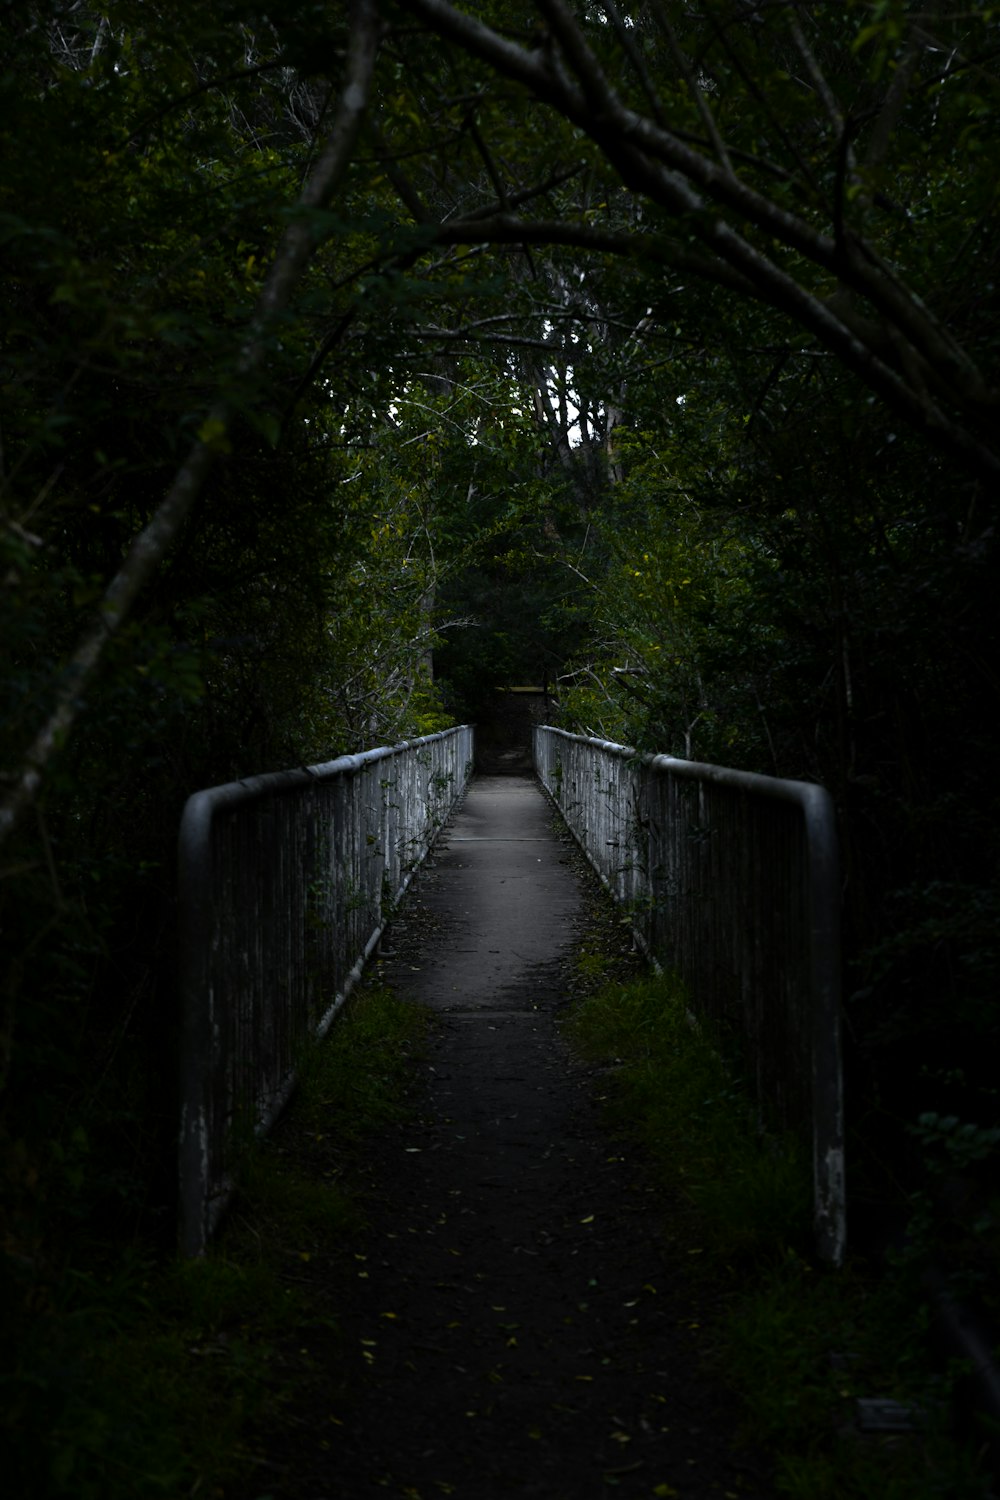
{"type": "Point", "coordinates": [503, 891]}
{"type": "Point", "coordinates": [519, 1331]}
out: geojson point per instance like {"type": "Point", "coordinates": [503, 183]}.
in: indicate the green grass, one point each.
{"type": "Point", "coordinates": [801, 1344]}
{"type": "Point", "coordinates": [748, 1191]}
{"type": "Point", "coordinates": [295, 1195]}
{"type": "Point", "coordinates": [141, 1383]}
{"type": "Point", "coordinates": [151, 1376]}
{"type": "Point", "coordinates": [357, 1081]}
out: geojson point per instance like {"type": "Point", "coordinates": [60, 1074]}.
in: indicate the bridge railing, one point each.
{"type": "Point", "coordinates": [286, 882]}
{"type": "Point", "coordinates": [731, 879]}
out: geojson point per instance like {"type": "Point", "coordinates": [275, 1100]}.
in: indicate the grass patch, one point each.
{"type": "Point", "coordinates": [749, 1191]}
{"type": "Point", "coordinates": [357, 1081]}
{"type": "Point", "coordinates": [802, 1345]}
{"type": "Point", "coordinates": [297, 1194]}
{"type": "Point", "coordinates": [154, 1377]}
{"type": "Point", "coordinates": [142, 1382]}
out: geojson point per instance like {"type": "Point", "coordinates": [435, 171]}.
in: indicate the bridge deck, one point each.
{"type": "Point", "coordinates": [504, 896]}
{"type": "Point", "coordinates": [524, 1331]}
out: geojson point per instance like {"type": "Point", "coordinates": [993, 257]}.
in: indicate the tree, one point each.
{"type": "Point", "coordinates": [658, 338]}
{"type": "Point", "coordinates": [766, 173]}
{"type": "Point", "coordinates": [233, 395]}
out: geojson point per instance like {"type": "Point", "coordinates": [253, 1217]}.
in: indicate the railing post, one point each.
{"type": "Point", "coordinates": [827, 1079]}
{"type": "Point", "coordinates": [197, 1019]}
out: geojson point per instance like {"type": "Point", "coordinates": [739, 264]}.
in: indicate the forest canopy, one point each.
{"type": "Point", "coordinates": [355, 357]}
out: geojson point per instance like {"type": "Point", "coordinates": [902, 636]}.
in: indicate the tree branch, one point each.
{"type": "Point", "coordinates": [697, 93]}
{"type": "Point", "coordinates": [902, 362]}
{"type": "Point", "coordinates": [896, 96]}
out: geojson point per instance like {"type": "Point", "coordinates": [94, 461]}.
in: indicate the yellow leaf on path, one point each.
{"type": "Point", "coordinates": [588, 1220]}
{"type": "Point", "coordinates": [213, 434]}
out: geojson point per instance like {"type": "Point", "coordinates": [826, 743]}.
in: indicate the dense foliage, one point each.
{"type": "Point", "coordinates": [356, 361]}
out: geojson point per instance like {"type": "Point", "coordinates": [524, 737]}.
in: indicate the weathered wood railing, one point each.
{"type": "Point", "coordinates": [731, 879]}
{"type": "Point", "coordinates": [285, 884]}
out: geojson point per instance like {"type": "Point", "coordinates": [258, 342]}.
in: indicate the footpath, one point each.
{"type": "Point", "coordinates": [520, 1325]}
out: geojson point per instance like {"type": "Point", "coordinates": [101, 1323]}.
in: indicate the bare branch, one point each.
{"type": "Point", "coordinates": [697, 92]}
{"type": "Point", "coordinates": [904, 75]}
{"type": "Point", "coordinates": [635, 57]}
{"type": "Point", "coordinates": [816, 74]}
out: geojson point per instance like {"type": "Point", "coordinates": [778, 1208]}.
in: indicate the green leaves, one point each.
{"type": "Point", "coordinates": [954, 1144]}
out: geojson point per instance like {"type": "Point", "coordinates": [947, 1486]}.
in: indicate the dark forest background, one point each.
{"type": "Point", "coordinates": [358, 361]}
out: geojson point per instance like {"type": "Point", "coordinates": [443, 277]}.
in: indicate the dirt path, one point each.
{"type": "Point", "coordinates": [518, 1326]}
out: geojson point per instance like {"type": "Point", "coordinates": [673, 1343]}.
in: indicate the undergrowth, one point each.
{"type": "Point", "coordinates": [136, 1375]}
{"type": "Point", "coordinates": [802, 1345]}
